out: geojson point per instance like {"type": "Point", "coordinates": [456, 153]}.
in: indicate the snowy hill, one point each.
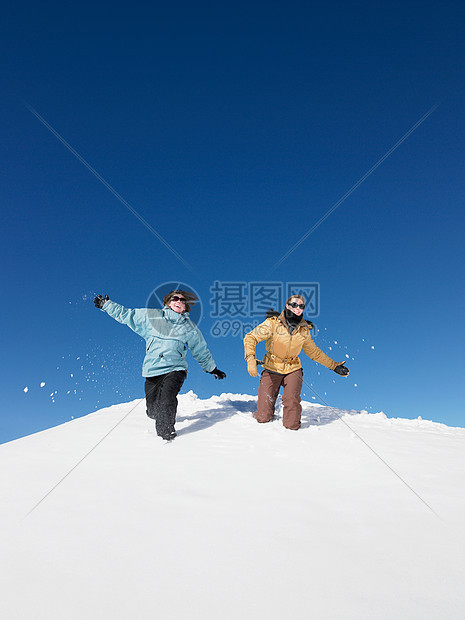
{"type": "Point", "coordinates": [354, 516]}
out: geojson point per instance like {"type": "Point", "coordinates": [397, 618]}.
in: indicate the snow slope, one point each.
{"type": "Point", "coordinates": [234, 519]}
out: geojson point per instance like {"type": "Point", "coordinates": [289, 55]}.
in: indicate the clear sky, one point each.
{"type": "Point", "coordinates": [232, 130]}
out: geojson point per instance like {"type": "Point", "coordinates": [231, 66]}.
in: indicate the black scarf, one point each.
{"type": "Point", "coordinates": [292, 319]}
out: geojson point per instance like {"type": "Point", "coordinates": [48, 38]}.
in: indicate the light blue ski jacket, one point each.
{"type": "Point", "coordinates": [167, 335]}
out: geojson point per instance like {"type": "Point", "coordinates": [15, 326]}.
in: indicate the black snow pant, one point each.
{"type": "Point", "coordinates": [161, 398]}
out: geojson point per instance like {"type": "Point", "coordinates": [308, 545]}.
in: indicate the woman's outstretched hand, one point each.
{"type": "Point", "coordinates": [252, 367]}
{"type": "Point", "coordinates": [342, 370]}
{"type": "Point", "coordinates": [99, 301]}
{"type": "Point", "coordinates": [219, 374]}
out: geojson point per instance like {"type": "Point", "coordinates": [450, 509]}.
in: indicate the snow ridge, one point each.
{"type": "Point", "coordinates": [234, 519]}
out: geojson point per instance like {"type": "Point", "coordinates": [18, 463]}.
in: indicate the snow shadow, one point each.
{"type": "Point", "coordinates": [311, 415]}
{"type": "Point", "coordinates": [209, 417]}
{"type": "Point", "coordinates": [320, 416]}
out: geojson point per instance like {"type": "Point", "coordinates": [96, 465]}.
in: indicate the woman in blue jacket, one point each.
{"type": "Point", "coordinates": [168, 334]}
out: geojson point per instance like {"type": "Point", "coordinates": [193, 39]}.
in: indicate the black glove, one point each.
{"type": "Point", "coordinates": [99, 301]}
{"type": "Point", "coordinates": [342, 370]}
{"type": "Point", "coordinates": [219, 374]}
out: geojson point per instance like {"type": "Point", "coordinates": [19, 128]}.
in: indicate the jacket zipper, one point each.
{"type": "Point", "coordinates": [288, 348]}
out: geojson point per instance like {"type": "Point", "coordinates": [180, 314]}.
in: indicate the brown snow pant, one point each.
{"type": "Point", "coordinates": [268, 390]}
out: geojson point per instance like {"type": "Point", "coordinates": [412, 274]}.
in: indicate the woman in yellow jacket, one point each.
{"type": "Point", "coordinates": [286, 335]}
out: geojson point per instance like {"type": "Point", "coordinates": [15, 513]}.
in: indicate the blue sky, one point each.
{"type": "Point", "coordinates": [232, 130]}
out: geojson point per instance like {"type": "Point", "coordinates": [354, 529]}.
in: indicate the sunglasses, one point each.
{"type": "Point", "coordinates": [296, 305]}
{"type": "Point", "coordinates": [176, 298]}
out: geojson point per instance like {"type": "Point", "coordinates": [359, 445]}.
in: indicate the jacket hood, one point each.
{"type": "Point", "coordinates": [175, 317]}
